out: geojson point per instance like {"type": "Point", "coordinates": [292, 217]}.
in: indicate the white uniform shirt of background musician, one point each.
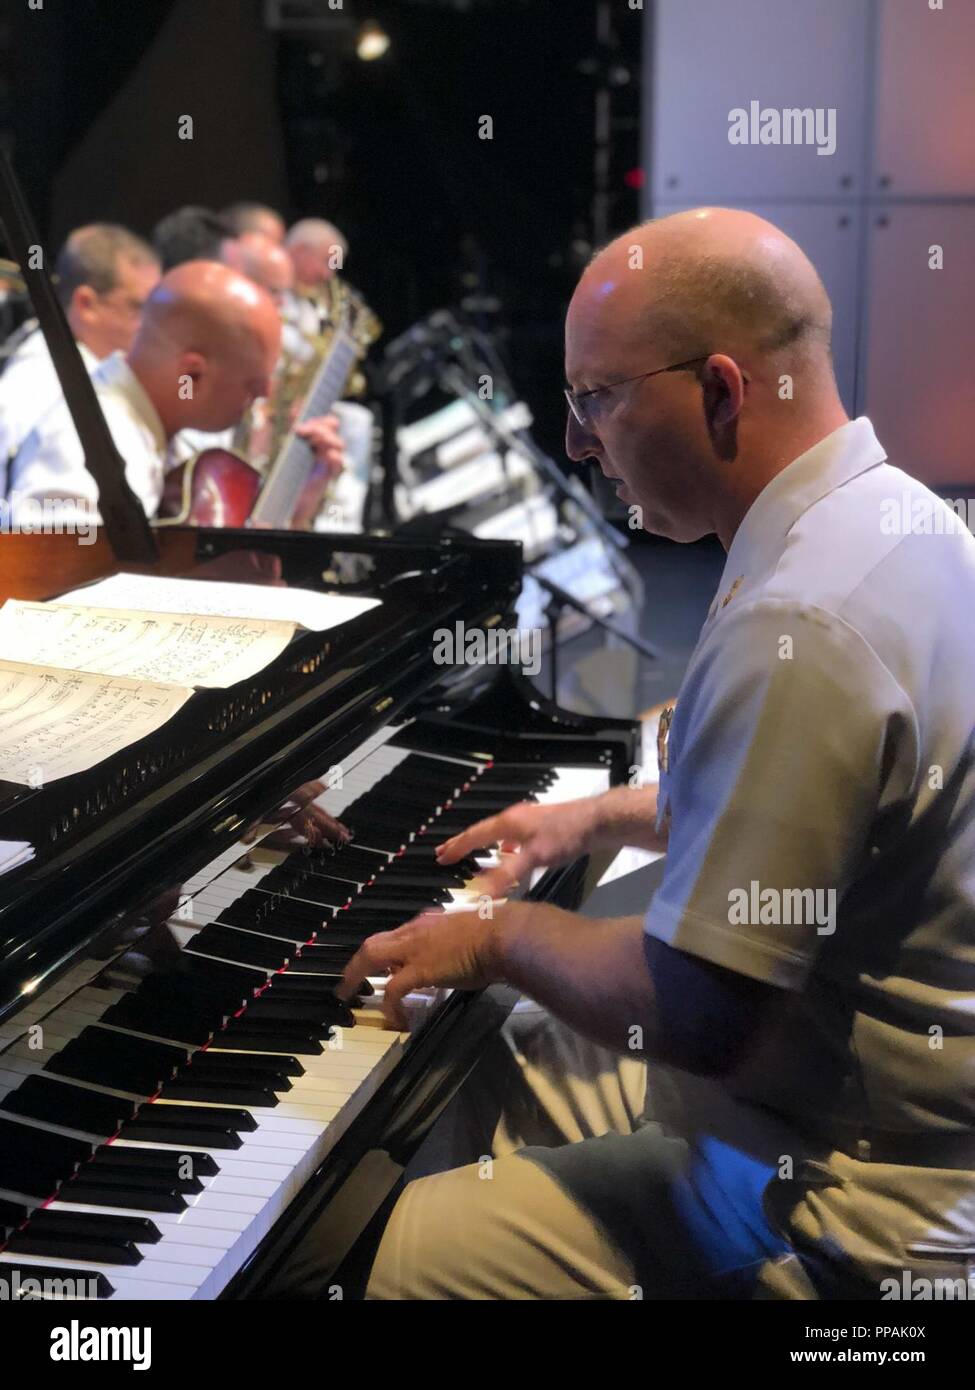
{"type": "Point", "coordinates": [51, 462]}
{"type": "Point", "coordinates": [29, 387]}
{"type": "Point", "coordinates": [821, 741]}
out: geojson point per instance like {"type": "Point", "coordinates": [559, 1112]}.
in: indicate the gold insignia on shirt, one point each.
{"type": "Point", "coordinates": [663, 738]}
{"type": "Point", "coordinates": [732, 591]}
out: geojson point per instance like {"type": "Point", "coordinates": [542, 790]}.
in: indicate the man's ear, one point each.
{"type": "Point", "coordinates": [724, 390]}
{"type": "Point", "coordinates": [83, 302]}
{"type": "Point", "coordinates": [192, 365]}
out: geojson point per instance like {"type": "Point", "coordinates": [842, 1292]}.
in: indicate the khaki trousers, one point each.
{"type": "Point", "coordinates": [572, 1184]}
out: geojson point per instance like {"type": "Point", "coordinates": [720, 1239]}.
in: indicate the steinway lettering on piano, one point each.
{"type": "Point", "coordinates": [181, 1093]}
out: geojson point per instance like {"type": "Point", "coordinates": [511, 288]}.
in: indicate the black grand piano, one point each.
{"type": "Point", "coordinates": [186, 1109]}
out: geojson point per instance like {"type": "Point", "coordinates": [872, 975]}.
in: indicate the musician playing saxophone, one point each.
{"type": "Point", "coordinates": [311, 310]}
{"type": "Point", "coordinates": [205, 351]}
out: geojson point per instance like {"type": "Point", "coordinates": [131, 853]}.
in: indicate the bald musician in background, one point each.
{"type": "Point", "coordinates": [205, 350]}
{"type": "Point", "coordinates": [103, 276]}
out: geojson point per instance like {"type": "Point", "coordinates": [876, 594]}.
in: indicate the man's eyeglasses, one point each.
{"type": "Point", "coordinates": [585, 405]}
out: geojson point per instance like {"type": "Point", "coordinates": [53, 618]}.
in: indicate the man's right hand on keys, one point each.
{"type": "Point", "coordinates": [533, 837]}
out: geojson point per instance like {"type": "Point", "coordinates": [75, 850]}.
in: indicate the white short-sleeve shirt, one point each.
{"type": "Point", "coordinates": [821, 798]}
{"type": "Point", "coordinates": [29, 387]}
{"type": "Point", "coordinates": [51, 461]}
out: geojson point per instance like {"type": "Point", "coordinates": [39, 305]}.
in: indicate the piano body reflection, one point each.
{"type": "Point", "coordinates": [183, 1100]}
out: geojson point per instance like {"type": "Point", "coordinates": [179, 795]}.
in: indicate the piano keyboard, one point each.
{"type": "Point", "coordinates": [157, 1134]}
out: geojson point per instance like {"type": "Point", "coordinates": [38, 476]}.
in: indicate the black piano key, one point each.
{"type": "Point", "coordinates": [220, 1060]}
{"type": "Point", "coordinates": [483, 804]}
{"type": "Point", "coordinates": [121, 1062]}
{"type": "Point", "coordinates": [373, 837]}
{"type": "Point", "coordinates": [358, 864]}
{"type": "Point", "coordinates": [312, 888]}
{"type": "Point", "coordinates": [146, 1015]}
{"type": "Point", "coordinates": [86, 1190]}
{"type": "Point", "coordinates": [210, 1091]}
{"type": "Point", "coordinates": [516, 790]}
{"type": "Point", "coordinates": [64, 1277]}
{"type": "Point", "coordinates": [273, 1034]}
{"type": "Point", "coordinates": [228, 986]}
{"type": "Point", "coordinates": [32, 1179]}
{"type": "Point", "coordinates": [273, 915]}
{"type": "Point", "coordinates": [169, 1162]}
{"type": "Point", "coordinates": [384, 891]}
{"type": "Point", "coordinates": [291, 986]}
{"type": "Point", "coordinates": [389, 826]}
{"type": "Point", "coordinates": [392, 900]}
{"type": "Point", "coordinates": [41, 1097]}
{"type": "Point", "coordinates": [149, 1131]}
{"type": "Point", "coordinates": [425, 854]}
{"type": "Point", "coordinates": [55, 1151]}
{"type": "Point", "coordinates": [217, 1117]}
{"type": "Point", "coordinates": [12, 1215]}
{"type": "Point", "coordinates": [239, 947]}
{"type": "Point", "coordinates": [100, 1224]}
{"type": "Point", "coordinates": [395, 809]}
{"type": "Point", "coordinates": [133, 1179]}
{"type": "Point", "coordinates": [321, 1014]}
{"type": "Point", "coordinates": [108, 1251]}
{"type": "Point", "coordinates": [428, 871]}
{"type": "Point", "coordinates": [452, 825]}
{"type": "Point", "coordinates": [321, 965]}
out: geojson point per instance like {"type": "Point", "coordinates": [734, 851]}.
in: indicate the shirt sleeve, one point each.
{"type": "Point", "coordinates": [790, 736]}
{"type": "Point", "coordinates": [50, 464]}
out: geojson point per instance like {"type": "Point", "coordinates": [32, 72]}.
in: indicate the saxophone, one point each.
{"type": "Point", "coordinates": [305, 344]}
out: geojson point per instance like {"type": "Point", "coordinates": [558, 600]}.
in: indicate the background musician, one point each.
{"type": "Point", "coordinates": [191, 233]}
{"type": "Point", "coordinates": [318, 251]}
{"type": "Point", "coordinates": [103, 276]}
{"type": "Point", "coordinates": [262, 260]}
{"type": "Point", "coordinates": [796, 1129]}
{"type": "Point", "coordinates": [205, 350]}
{"type": "Point", "coordinates": [255, 217]}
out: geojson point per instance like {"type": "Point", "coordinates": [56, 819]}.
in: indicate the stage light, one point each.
{"type": "Point", "coordinates": [372, 41]}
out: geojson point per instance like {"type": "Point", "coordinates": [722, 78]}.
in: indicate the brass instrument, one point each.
{"type": "Point", "coordinates": [261, 433]}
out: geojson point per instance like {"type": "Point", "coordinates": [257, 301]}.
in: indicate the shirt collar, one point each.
{"type": "Point", "coordinates": [842, 455]}
{"type": "Point", "coordinates": [114, 374]}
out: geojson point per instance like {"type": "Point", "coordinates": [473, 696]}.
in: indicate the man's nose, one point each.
{"type": "Point", "coordinates": [579, 443]}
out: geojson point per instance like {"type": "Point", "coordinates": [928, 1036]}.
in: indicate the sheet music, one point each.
{"type": "Point", "coordinates": [54, 723]}
{"type": "Point", "coordinates": [309, 609]}
{"type": "Point", "coordinates": [13, 853]}
{"type": "Point", "coordinates": [178, 648]}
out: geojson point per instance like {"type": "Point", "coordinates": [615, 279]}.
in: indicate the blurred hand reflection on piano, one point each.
{"type": "Point", "coordinates": [305, 822]}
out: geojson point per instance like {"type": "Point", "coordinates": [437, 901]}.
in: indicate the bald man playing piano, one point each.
{"type": "Point", "coordinates": [735, 1094]}
{"type": "Point", "coordinates": [206, 348]}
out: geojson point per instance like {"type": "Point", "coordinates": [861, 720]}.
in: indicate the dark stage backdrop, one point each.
{"type": "Point", "coordinates": [388, 150]}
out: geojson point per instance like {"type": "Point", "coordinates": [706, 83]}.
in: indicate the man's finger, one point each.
{"type": "Point", "coordinates": [485, 832]}
{"type": "Point", "coordinates": [379, 954]}
{"type": "Point", "coordinates": [396, 990]}
{"type": "Point", "coordinates": [498, 881]}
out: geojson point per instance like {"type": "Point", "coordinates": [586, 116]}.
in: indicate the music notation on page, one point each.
{"type": "Point", "coordinates": [185, 649]}
{"type": "Point", "coordinates": [54, 723]}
